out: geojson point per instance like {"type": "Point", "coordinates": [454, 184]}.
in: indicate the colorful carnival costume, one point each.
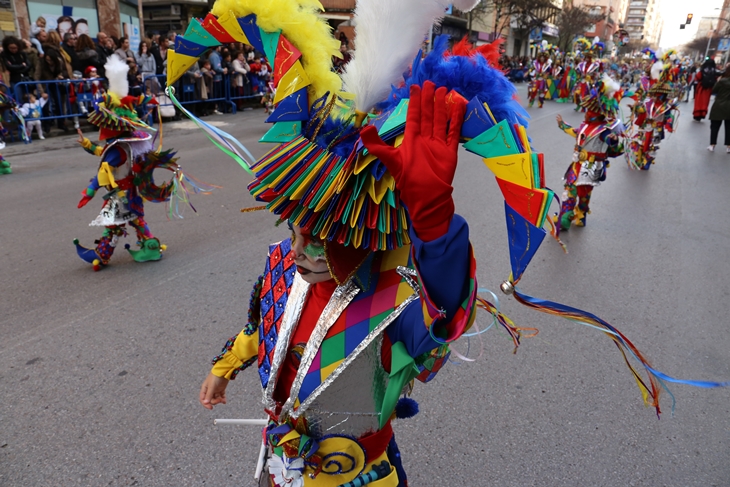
{"type": "Point", "coordinates": [596, 139]}
{"type": "Point", "coordinates": [654, 113]}
{"type": "Point", "coordinates": [128, 159]}
{"type": "Point", "coordinates": [540, 72]}
{"type": "Point", "coordinates": [379, 275]}
{"type": "Point", "coordinates": [587, 71]}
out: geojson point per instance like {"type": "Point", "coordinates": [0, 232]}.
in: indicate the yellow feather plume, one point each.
{"type": "Point", "coordinates": [299, 23]}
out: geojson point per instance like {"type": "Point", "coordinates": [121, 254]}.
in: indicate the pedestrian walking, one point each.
{"type": "Point", "coordinates": [720, 111]}
{"type": "Point", "coordinates": [706, 78]}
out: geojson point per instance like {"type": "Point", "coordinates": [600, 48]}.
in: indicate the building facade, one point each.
{"type": "Point", "coordinates": [644, 21]}
{"type": "Point", "coordinates": [114, 17]}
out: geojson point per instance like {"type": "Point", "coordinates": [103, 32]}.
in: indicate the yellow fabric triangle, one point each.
{"type": "Point", "coordinates": [377, 189]}
{"type": "Point", "coordinates": [177, 64]}
{"type": "Point", "coordinates": [229, 22]}
{"type": "Point", "coordinates": [516, 168]}
{"type": "Point", "coordinates": [363, 161]}
{"type": "Point", "coordinates": [293, 80]}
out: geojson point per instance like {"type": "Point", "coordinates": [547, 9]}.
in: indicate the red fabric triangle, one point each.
{"type": "Point", "coordinates": [525, 201]}
{"type": "Point", "coordinates": [105, 133]}
{"type": "Point", "coordinates": [210, 23]}
{"type": "Point", "coordinates": [286, 56]}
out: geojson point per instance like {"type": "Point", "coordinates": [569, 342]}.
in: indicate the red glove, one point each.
{"type": "Point", "coordinates": [86, 197]}
{"type": "Point", "coordinates": [424, 165]}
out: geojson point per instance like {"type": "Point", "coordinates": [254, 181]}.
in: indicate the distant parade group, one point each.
{"type": "Point", "coordinates": [655, 82]}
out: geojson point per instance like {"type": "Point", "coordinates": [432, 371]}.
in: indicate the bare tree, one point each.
{"type": "Point", "coordinates": [532, 15]}
{"type": "Point", "coordinates": [572, 22]}
{"type": "Point", "coordinates": [699, 45]}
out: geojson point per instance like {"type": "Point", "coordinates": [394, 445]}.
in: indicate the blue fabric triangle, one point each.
{"type": "Point", "coordinates": [476, 120]}
{"type": "Point", "coordinates": [253, 34]}
{"type": "Point", "coordinates": [524, 240]}
{"type": "Point", "coordinates": [189, 48]}
{"type": "Point", "coordinates": [293, 108]}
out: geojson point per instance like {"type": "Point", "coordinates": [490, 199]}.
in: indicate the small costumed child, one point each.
{"type": "Point", "coordinates": [596, 139]}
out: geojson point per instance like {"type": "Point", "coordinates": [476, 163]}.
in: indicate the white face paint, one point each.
{"type": "Point", "coordinates": [309, 257]}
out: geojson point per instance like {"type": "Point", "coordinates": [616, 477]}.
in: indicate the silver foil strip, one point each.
{"type": "Point", "coordinates": [340, 300]}
{"type": "Point", "coordinates": [292, 312]}
{"type": "Point", "coordinates": [361, 346]}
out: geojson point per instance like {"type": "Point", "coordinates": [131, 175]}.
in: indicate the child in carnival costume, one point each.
{"type": "Point", "coordinates": [653, 114]}
{"type": "Point", "coordinates": [596, 139]}
{"type": "Point", "coordinates": [588, 71]}
{"type": "Point", "coordinates": [540, 72]}
{"type": "Point", "coordinates": [128, 159]}
{"type": "Point", "coordinates": [378, 275]}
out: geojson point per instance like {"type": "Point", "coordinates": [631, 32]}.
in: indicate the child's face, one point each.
{"type": "Point", "coordinates": [206, 65]}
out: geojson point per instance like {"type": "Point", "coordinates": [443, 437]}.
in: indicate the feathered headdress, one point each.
{"type": "Point", "coordinates": [117, 114]}
{"type": "Point", "coordinates": [597, 47]}
{"type": "Point", "coordinates": [581, 45]}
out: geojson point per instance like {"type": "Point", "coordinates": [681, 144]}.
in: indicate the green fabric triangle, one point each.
{"type": "Point", "coordinates": [397, 118]}
{"type": "Point", "coordinates": [282, 132]}
{"type": "Point", "coordinates": [403, 369]}
{"type": "Point", "coordinates": [271, 42]}
{"type": "Point", "coordinates": [495, 142]}
{"type": "Point", "coordinates": [197, 34]}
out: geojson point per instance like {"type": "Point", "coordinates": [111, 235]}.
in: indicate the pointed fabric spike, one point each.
{"type": "Point", "coordinates": [292, 108]}
{"type": "Point", "coordinates": [252, 31]}
{"type": "Point", "coordinates": [229, 22]}
{"type": "Point", "coordinates": [286, 56]}
{"type": "Point", "coordinates": [189, 48]}
{"type": "Point", "coordinates": [516, 168]}
{"type": "Point", "coordinates": [270, 40]}
{"type": "Point", "coordinates": [210, 23]}
{"type": "Point", "coordinates": [294, 80]}
{"type": "Point", "coordinates": [396, 119]}
{"type": "Point", "coordinates": [196, 33]}
{"type": "Point", "coordinates": [476, 120]}
{"type": "Point", "coordinates": [527, 202]}
{"type": "Point", "coordinates": [177, 65]}
{"type": "Point", "coordinates": [495, 142]}
{"type": "Point", "coordinates": [524, 240]}
{"type": "Point", "coordinates": [282, 132]}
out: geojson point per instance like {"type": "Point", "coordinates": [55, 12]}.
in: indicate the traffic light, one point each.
{"type": "Point", "coordinates": [689, 19]}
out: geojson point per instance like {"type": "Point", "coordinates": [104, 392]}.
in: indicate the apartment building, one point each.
{"type": "Point", "coordinates": [644, 21]}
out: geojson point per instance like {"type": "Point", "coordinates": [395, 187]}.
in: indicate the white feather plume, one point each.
{"type": "Point", "coordinates": [656, 70]}
{"type": "Point", "coordinates": [116, 73]}
{"type": "Point", "coordinates": [389, 34]}
{"type": "Point", "coordinates": [465, 5]}
{"type": "Point", "coordinates": [610, 86]}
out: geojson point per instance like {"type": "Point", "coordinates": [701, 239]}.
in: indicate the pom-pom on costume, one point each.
{"type": "Point", "coordinates": [596, 139]}
{"type": "Point", "coordinates": [128, 159]}
{"type": "Point", "coordinates": [364, 181]}
{"type": "Point", "coordinates": [654, 113]}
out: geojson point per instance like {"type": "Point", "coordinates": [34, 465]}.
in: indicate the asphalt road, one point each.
{"type": "Point", "coordinates": [99, 372]}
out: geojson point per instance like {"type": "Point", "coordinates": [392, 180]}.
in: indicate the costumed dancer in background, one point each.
{"type": "Point", "coordinates": [705, 80]}
{"type": "Point", "coordinates": [128, 159]}
{"type": "Point", "coordinates": [653, 114]}
{"type": "Point", "coordinates": [540, 72]}
{"type": "Point", "coordinates": [596, 139]}
{"type": "Point", "coordinates": [566, 81]}
{"type": "Point", "coordinates": [588, 70]}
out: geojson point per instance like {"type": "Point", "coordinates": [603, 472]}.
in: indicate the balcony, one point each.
{"type": "Point", "coordinates": [338, 5]}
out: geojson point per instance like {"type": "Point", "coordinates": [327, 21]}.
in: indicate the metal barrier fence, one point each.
{"type": "Point", "coordinates": [74, 99]}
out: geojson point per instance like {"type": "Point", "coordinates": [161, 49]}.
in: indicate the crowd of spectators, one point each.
{"type": "Point", "coordinates": [71, 62]}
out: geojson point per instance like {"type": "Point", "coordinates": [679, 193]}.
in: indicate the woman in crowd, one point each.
{"type": "Point", "coordinates": [14, 59]}
{"type": "Point", "coordinates": [706, 78]}
{"type": "Point", "coordinates": [240, 77]}
{"type": "Point", "coordinates": [147, 66]}
{"type": "Point", "coordinates": [720, 111]}
{"type": "Point", "coordinates": [86, 51]}
{"type": "Point", "coordinates": [54, 67]}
